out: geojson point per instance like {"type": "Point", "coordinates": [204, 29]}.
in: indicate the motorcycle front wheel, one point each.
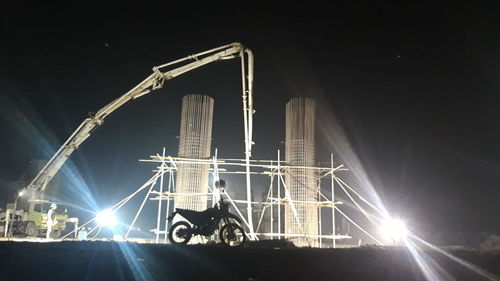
{"type": "Point", "coordinates": [232, 235]}
{"type": "Point", "coordinates": [180, 233]}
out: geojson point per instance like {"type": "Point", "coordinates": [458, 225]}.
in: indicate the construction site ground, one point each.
{"type": "Point", "coordinates": [266, 260]}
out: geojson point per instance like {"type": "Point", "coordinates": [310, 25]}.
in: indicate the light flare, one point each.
{"type": "Point", "coordinates": [431, 270]}
{"type": "Point", "coordinates": [34, 131]}
{"type": "Point", "coordinates": [135, 258]}
{"type": "Point", "coordinates": [106, 218]}
{"type": "Point", "coordinates": [470, 266]}
{"type": "Point", "coordinates": [394, 229]}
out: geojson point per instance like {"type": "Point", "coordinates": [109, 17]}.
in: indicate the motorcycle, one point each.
{"type": "Point", "coordinates": [206, 223]}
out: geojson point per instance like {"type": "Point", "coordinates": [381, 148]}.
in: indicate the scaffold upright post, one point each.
{"type": "Point", "coordinates": [271, 205]}
{"type": "Point", "coordinates": [279, 195]}
{"type": "Point", "coordinates": [167, 213]}
{"type": "Point", "coordinates": [319, 215]}
{"type": "Point", "coordinates": [333, 202]}
{"type": "Point", "coordinates": [158, 217]}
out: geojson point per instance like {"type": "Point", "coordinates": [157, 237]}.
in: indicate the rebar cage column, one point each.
{"type": "Point", "coordinates": [194, 142]}
{"type": "Point", "coordinates": [300, 151]}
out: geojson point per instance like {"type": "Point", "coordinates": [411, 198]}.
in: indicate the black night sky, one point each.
{"type": "Point", "coordinates": [416, 88]}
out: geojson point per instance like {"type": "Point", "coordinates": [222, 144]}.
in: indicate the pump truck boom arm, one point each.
{"type": "Point", "coordinates": [153, 82]}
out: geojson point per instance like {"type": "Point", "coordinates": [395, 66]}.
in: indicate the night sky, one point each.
{"type": "Point", "coordinates": [416, 89]}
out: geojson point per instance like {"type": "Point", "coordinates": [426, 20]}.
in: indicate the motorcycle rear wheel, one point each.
{"type": "Point", "coordinates": [180, 233]}
{"type": "Point", "coordinates": [232, 235]}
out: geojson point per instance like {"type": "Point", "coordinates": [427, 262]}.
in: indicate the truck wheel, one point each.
{"type": "Point", "coordinates": [31, 230]}
{"type": "Point", "coordinates": [56, 234]}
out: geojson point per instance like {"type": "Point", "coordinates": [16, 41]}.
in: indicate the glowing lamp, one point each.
{"type": "Point", "coordinates": [394, 229]}
{"type": "Point", "coordinates": [117, 237]}
{"type": "Point", "coordinates": [106, 218]}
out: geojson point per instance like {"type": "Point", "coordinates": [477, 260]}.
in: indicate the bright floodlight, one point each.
{"type": "Point", "coordinates": [106, 218]}
{"type": "Point", "coordinates": [117, 237]}
{"type": "Point", "coordinates": [394, 229]}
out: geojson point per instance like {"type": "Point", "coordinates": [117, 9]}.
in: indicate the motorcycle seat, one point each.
{"type": "Point", "coordinates": [196, 217]}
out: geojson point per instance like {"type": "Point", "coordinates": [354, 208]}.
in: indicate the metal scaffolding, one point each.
{"type": "Point", "coordinates": [278, 195]}
{"type": "Point", "coordinates": [160, 187]}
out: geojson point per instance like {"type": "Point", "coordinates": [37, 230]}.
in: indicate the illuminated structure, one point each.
{"type": "Point", "coordinates": [194, 142]}
{"type": "Point", "coordinates": [192, 168]}
{"type": "Point", "coordinates": [301, 183]}
{"type": "Point", "coordinates": [295, 185]}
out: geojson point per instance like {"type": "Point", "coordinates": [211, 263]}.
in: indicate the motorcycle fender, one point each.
{"type": "Point", "coordinates": [233, 216]}
{"type": "Point", "coordinates": [171, 217]}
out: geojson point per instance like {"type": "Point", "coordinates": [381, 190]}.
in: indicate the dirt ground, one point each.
{"type": "Point", "coordinates": [265, 261]}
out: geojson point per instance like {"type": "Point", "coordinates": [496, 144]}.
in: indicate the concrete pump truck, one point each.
{"type": "Point", "coordinates": [30, 219]}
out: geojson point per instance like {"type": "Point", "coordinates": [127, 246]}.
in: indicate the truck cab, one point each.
{"type": "Point", "coordinates": [31, 220]}
{"type": "Point", "coordinates": [37, 213]}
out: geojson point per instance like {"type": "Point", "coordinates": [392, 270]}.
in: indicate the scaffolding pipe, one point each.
{"type": "Point", "coordinates": [333, 200]}
{"type": "Point", "coordinates": [319, 216]}
{"type": "Point", "coordinates": [279, 194]}
{"type": "Point", "coordinates": [359, 227]}
{"type": "Point", "coordinates": [367, 215]}
{"type": "Point", "coordinates": [118, 205]}
{"type": "Point", "coordinates": [317, 204]}
{"type": "Point", "coordinates": [167, 213]}
{"type": "Point", "coordinates": [140, 210]}
{"type": "Point", "coordinates": [294, 209]}
{"type": "Point", "coordinates": [264, 208]}
{"type": "Point", "coordinates": [360, 197]}
{"type": "Point", "coordinates": [158, 222]}
{"type": "Point", "coordinates": [271, 189]}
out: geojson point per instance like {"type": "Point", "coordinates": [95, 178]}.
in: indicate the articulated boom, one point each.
{"type": "Point", "coordinates": [154, 82]}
